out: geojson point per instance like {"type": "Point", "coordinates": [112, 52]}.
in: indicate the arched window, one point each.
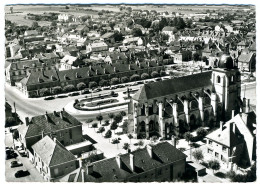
{"type": "Point", "coordinates": [232, 79]}
{"type": "Point", "coordinates": [218, 79]}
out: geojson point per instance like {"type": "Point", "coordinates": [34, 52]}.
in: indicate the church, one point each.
{"type": "Point", "coordinates": [175, 106]}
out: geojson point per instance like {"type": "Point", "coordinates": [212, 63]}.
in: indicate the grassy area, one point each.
{"type": "Point", "coordinates": [20, 20]}
{"type": "Point", "coordinates": [97, 103]}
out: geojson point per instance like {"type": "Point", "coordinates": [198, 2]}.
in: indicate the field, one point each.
{"type": "Point", "coordinates": [19, 20]}
{"type": "Point", "coordinates": [21, 10]}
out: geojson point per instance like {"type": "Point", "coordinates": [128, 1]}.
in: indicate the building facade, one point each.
{"type": "Point", "coordinates": [234, 142]}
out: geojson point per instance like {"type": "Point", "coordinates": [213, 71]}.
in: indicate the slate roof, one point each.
{"type": "Point", "coordinates": [225, 137]}
{"type": "Point", "coordinates": [107, 35]}
{"type": "Point", "coordinates": [245, 57]}
{"type": "Point", "coordinates": [40, 77]}
{"type": "Point", "coordinates": [172, 86]}
{"type": "Point", "coordinates": [52, 152]}
{"type": "Point", "coordinates": [108, 170]}
{"type": "Point", "coordinates": [167, 28]}
{"type": "Point", "coordinates": [228, 137]}
{"type": "Point", "coordinates": [35, 63]}
{"type": "Point", "coordinates": [48, 123]}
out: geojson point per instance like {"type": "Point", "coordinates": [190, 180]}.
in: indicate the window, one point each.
{"type": "Point", "coordinates": [216, 154]}
{"type": "Point", "coordinates": [56, 171]}
{"type": "Point", "coordinates": [70, 133]}
{"type": "Point", "coordinates": [218, 79]}
{"type": "Point", "coordinates": [224, 148]}
{"type": "Point", "coordinates": [210, 151]}
{"type": "Point", "coordinates": [210, 142]}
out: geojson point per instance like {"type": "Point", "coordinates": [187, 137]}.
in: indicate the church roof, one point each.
{"type": "Point", "coordinates": [173, 86]}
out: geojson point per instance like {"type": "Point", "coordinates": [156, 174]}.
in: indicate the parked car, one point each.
{"type": "Point", "coordinates": [139, 82]}
{"type": "Point", "coordinates": [158, 79]}
{"type": "Point", "coordinates": [10, 155]}
{"type": "Point", "coordinates": [15, 163]}
{"type": "Point", "coordinates": [21, 173]}
{"type": "Point", "coordinates": [121, 86]}
{"type": "Point", "coordinates": [106, 88]}
{"type": "Point", "coordinates": [22, 153]}
{"type": "Point", "coordinates": [74, 94]}
{"type": "Point", "coordinates": [85, 91]}
{"type": "Point", "coordinates": [96, 90]}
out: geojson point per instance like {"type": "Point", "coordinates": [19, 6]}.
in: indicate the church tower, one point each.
{"type": "Point", "coordinates": [226, 81]}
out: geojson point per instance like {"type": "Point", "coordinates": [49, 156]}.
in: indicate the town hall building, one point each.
{"type": "Point", "coordinates": [175, 106]}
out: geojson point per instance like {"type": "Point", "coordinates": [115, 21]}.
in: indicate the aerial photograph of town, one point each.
{"type": "Point", "coordinates": [130, 93]}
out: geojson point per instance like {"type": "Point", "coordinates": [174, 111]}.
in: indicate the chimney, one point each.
{"type": "Point", "coordinates": [46, 116]}
{"type": "Point", "coordinates": [148, 64]}
{"type": "Point", "coordinates": [131, 157]}
{"type": "Point", "coordinates": [244, 117]}
{"type": "Point", "coordinates": [129, 66]}
{"type": "Point", "coordinates": [96, 72]}
{"type": "Point", "coordinates": [118, 161]}
{"type": "Point", "coordinates": [83, 174]}
{"type": "Point", "coordinates": [27, 121]}
{"type": "Point", "coordinates": [174, 141]}
{"type": "Point", "coordinates": [88, 73]}
{"type": "Point", "coordinates": [246, 105]}
{"type": "Point", "coordinates": [104, 69]}
{"type": "Point", "coordinates": [55, 140]}
{"type": "Point", "coordinates": [89, 169]}
{"type": "Point", "coordinates": [115, 69]}
{"type": "Point", "coordinates": [90, 67]}
{"type": "Point", "coordinates": [42, 134]}
{"type": "Point", "coordinates": [150, 150]}
{"type": "Point", "coordinates": [221, 124]}
{"type": "Point", "coordinates": [233, 113]}
{"type": "Point", "coordinates": [61, 115]}
{"type": "Point", "coordinates": [234, 128]}
{"type": "Point", "coordinates": [77, 75]}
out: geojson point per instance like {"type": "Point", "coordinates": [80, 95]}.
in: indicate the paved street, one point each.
{"type": "Point", "coordinates": [27, 165]}
{"type": "Point", "coordinates": [37, 106]}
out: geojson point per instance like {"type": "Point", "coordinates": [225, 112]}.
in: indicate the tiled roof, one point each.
{"type": "Point", "coordinates": [49, 123]}
{"type": "Point", "coordinates": [108, 170]}
{"type": "Point", "coordinates": [52, 152]}
{"type": "Point", "coordinates": [173, 86]}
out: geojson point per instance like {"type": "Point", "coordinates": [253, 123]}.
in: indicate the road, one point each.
{"type": "Point", "coordinates": [37, 106]}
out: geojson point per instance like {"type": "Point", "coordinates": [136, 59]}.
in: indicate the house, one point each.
{"type": "Point", "coordinates": [52, 159]}
{"type": "Point", "coordinates": [80, 28]}
{"type": "Point", "coordinates": [133, 40]}
{"type": "Point", "coordinates": [16, 71]}
{"type": "Point", "coordinates": [170, 31]}
{"type": "Point", "coordinates": [219, 28]}
{"type": "Point", "coordinates": [64, 17]}
{"type": "Point", "coordinates": [154, 163]}
{"type": "Point", "coordinates": [70, 62]}
{"type": "Point", "coordinates": [97, 47]}
{"type": "Point", "coordinates": [116, 57]}
{"type": "Point", "coordinates": [234, 141]}
{"type": "Point", "coordinates": [108, 37]}
{"type": "Point", "coordinates": [31, 33]}
{"type": "Point", "coordinates": [63, 126]}
{"type": "Point", "coordinates": [247, 61]}
{"type": "Point", "coordinates": [241, 45]}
